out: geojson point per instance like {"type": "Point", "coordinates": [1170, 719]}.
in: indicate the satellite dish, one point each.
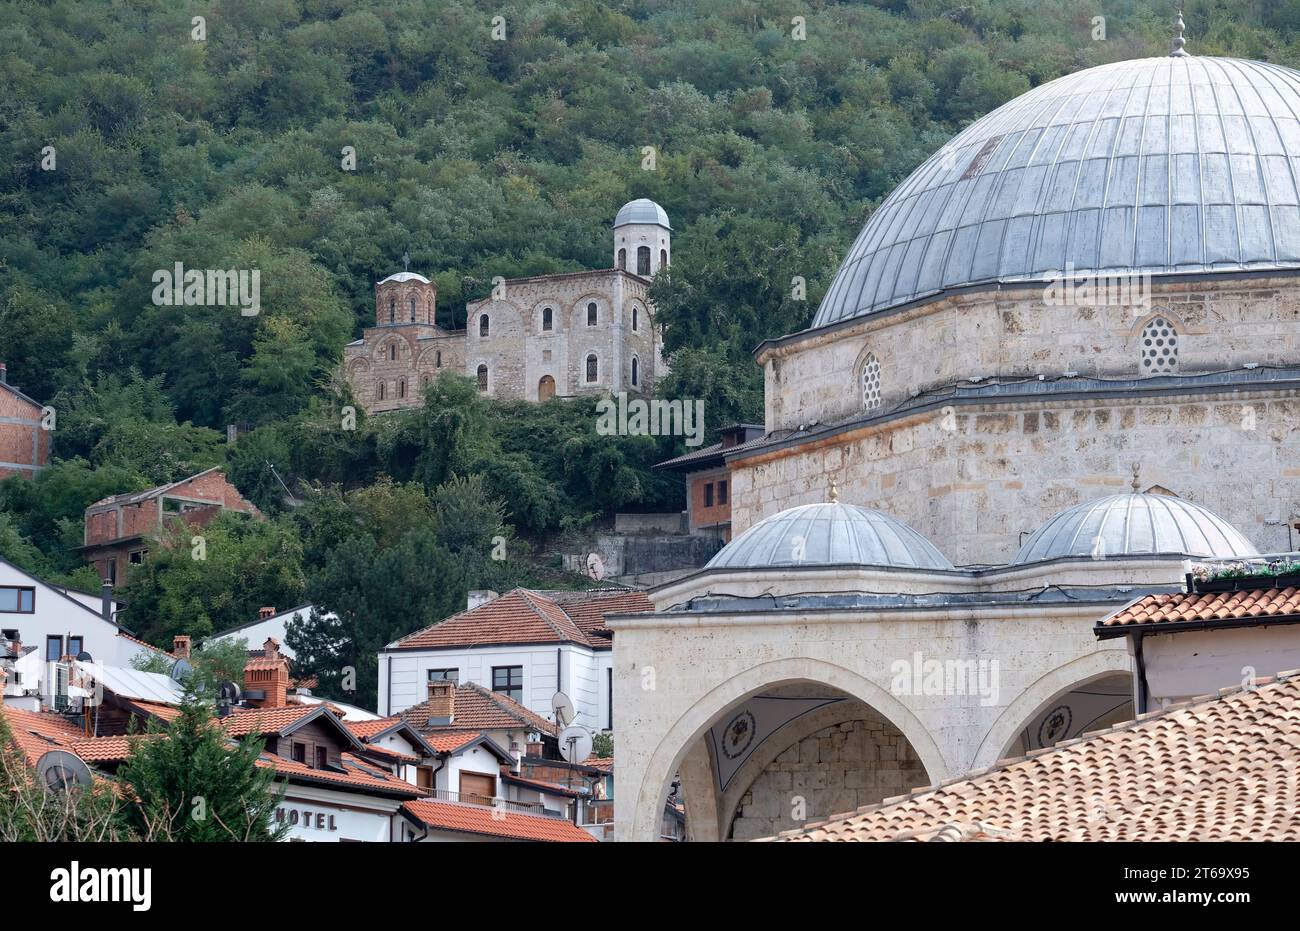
{"type": "Point", "coordinates": [562, 705]}
{"type": "Point", "coordinates": [575, 743]}
{"type": "Point", "coordinates": [595, 566]}
{"type": "Point", "coordinates": [181, 670]}
{"type": "Point", "coordinates": [59, 770]}
{"type": "Point", "coordinates": [84, 657]}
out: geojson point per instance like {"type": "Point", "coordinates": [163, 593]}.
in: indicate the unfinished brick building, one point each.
{"type": "Point", "coordinates": [24, 445]}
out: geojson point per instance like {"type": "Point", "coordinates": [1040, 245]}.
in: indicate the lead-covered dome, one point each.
{"type": "Point", "coordinates": [1134, 525]}
{"type": "Point", "coordinates": [642, 210]}
{"type": "Point", "coordinates": [830, 534]}
{"type": "Point", "coordinates": [1160, 165]}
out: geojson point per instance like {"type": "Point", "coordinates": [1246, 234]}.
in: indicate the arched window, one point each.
{"type": "Point", "coordinates": [635, 318]}
{"type": "Point", "coordinates": [482, 378]}
{"type": "Point", "coordinates": [643, 260]}
{"type": "Point", "coordinates": [1159, 347]}
{"type": "Point", "coordinates": [412, 308]}
{"type": "Point", "coordinates": [483, 325]}
{"type": "Point", "coordinates": [424, 381]}
{"type": "Point", "coordinates": [663, 258]}
{"type": "Point", "coordinates": [381, 391]}
{"type": "Point", "coordinates": [392, 352]}
{"type": "Point", "coordinates": [392, 309]}
{"type": "Point", "coordinates": [870, 381]}
{"type": "Point", "coordinates": [636, 365]}
{"type": "Point", "coordinates": [437, 359]}
{"type": "Point", "coordinates": [622, 260]}
{"type": "Point", "coordinates": [592, 367]}
{"type": "Point", "coordinates": [401, 387]}
{"type": "Point", "coordinates": [547, 319]}
{"type": "Point", "coordinates": [592, 314]}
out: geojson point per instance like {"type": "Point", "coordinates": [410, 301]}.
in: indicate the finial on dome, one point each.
{"type": "Point", "coordinates": [834, 493]}
{"type": "Point", "coordinates": [406, 261]}
{"type": "Point", "coordinates": [1137, 472]}
{"type": "Point", "coordinates": [1176, 49]}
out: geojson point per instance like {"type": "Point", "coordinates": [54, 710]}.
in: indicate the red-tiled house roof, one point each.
{"type": "Point", "coordinates": [35, 733]}
{"type": "Point", "coordinates": [524, 616]}
{"type": "Point", "coordinates": [478, 708]}
{"type": "Point", "coordinates": [1220, 768]}
{"type": "Point", "coordinates": [359, 774]}
{"type": "Point", "coordinates": [1179, 610]}
{"type": "Point", "coordinates": [491, 822]}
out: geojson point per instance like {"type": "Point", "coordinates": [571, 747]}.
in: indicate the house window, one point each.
{"type": "Point", "coordinates": [643, 260]}
{"type": "Point", "coordinates": [1159, 347]}
{"type": "Point", "coordinates": [322, 753]}
{"type": "Point", "coordinates": [622, 260]}
{"type": "Point", "coordinates": [136, 557]}
{"type": "Point", "coordinates": [592, 367]}
{"type": "Point", "coordinates": [870, 377]}
{"type": "Point", "coordinates": [708, 494]}
{"type": "Point", "coordinates": [483, 325]}
{"type": "Point", "coordinates": [53, 648]}
{"type": "Point", "coordinates": [424, 777]}
{"type": "Point", "coordinates": [412, 308]}
{"type": "Point", "coordinates": [635, 318]}
{"type": "Point", "coordinates": [15, 600]}
{"type": "Point", "coordinates": [299, 753]}
{"type": "Point", "coordinates": [76, 645]}
{"type": "Point", "coordinates": [482, 378]}
{"type": "Point", "coordinates": [722, 492]}
{"type": "Point", "coordinates": [635, 372]}
{"type": "Point", "coordinates": [592, 314]}
{"type": "Point", "coordinates": [444, 675]}
{"type": "Point", "coordinates": [509, 681]}
{"type": "Point", "coordinates": [547, 319]}
{"type": "Point", "coordinates": [477, 788]}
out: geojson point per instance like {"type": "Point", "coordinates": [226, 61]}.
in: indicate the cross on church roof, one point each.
{"type": "Point", "coordinates": [406, 261]}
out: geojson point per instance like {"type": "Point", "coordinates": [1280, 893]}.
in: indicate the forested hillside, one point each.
{"type": "Point", "coordinates": [478, 157]}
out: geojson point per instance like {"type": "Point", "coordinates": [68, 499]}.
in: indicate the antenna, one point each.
{"type": "Point", "coordinates": [565, 713]}
{"type": "Point", "coordinates": [59, 770]}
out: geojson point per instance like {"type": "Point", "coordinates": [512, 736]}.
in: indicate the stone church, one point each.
{"type": "Point", "coordinates": [535, 338]}
{"type": "Point", "coordinates": [980, 449]}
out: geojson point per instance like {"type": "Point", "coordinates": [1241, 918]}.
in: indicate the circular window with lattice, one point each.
{"type": "Point", "coordinates": [1159, 347]}
{"type": "Point", "coordinates": [871, 383]}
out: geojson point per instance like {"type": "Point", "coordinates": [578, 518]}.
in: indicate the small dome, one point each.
{"type": "Point", "coordinates": [831, 534]}
{"type": "Point", "coordinates": [1134, 525]}
{"type": "Point", "coordinates": [643, 210]}
{"type": "Point", "coordinates": [406, 276]}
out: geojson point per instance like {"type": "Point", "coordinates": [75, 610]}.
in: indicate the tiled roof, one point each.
{"type": "Point", "coordinates": [364, 729]}
{"type": "Point", "coordinates": [264, 720]}
{"type": "Point", "coordinates": [478, 708]}
{"type": "Point", "coordinates": [603, 763]}
{"type": "Point", "coordinates": [37, 732]}
{"type": "Point", "coordinates": [165, 713]}
{"type": "Point", "coordinates": [359, 775]}
{"type": "Point", "coordinates": [102, 749]}
{"type": "Point", "coordinates": [493, 822]}
{"type": "Point", "coordinates": [451, 741]}
{"type": "Point", "coordinates": [527, 616]}
{"type": "Point", "coordinates": [1168, 610]}
{"type": "Point", "coordinates": [1221, 768]}
{"type": "Point", "coordinates": [389, 752]}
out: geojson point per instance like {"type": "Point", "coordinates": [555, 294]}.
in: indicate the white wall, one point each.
{"type": "Point", "coordinates": [356, 817]}
{"type": "Point", "coordinates": [257, 632]}
{"type": "Point", "coordinates": [1185, 665]}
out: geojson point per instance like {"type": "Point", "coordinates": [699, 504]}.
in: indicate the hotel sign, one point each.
{"type": "Point", "coordinates": [317, 820]}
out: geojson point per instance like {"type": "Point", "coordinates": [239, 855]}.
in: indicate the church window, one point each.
{"type": "Point", "coordinates": [483, 325]}
{"type": "Point", "coordinates": [548, 319]}
{"type": "Point", "coordinates": [381, 391]}
{"type": "Point", "coordinates": [424, 382]}
{"type": "Point", "coordinates": [412, 308]}
{"type": "Point", "coordinates": [635, 370]}
{"type": "Point", "coordinates": [663, 258]}
{"type": "Point", "coordinates": [401, 388]}
{"type": "Point", "coordinates": [482, 378]}
{"type": "Point", "coordinates": [870, 379]}
{"type": "Point", "coordinates": [1159, 347]}
{"type": "Point", "coordinates": [635, 318]}
{"type": "Point", "coordinates": [643, 260]}
{"type": "Point", "coordinates": [622, 260]}
{"type": "Point", "coordinates": [392, 352]}
{"type": "Point", "coordinates": [392, 309]}
{"type": "Point", "coordinates": [592, 367]}
{"type": "Point", "coordinates": [437, 359]}
{"type": "Point", "coordinates": [592, 314]}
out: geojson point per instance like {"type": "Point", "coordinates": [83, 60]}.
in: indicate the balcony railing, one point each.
{"type": "Point", "coordinates": [483, 801]}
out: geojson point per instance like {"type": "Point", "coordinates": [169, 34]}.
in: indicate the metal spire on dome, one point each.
{"type": "Point", "coordinates": [1137, 472]}
{"type": "Point", "coordinates": [834, 493]}
{"type": "Point", "coordinates": [1176, 49]}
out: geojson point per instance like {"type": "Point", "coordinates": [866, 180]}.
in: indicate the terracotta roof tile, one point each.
{"type": "Point", "coordinates": [603, 763]}
{"type": "Point", "coordinates": [37, 732]}
{"type": "Point", "coordinates": [494, 822]}
{"type": "Point", "coordinates": [1193, 607]}
{"type": "Point", "coordinates": [527, 616]}
{"type": "Point", "coordinates": [243, 721]}
{"type": "Point", "coordinates": [478, 708]}
{"type": "Point", "coordinates": [358, 774]}
{"type": "Point", "coordinates": [1219, 769]}
{"type": "Point", "coordinates": [451, 741]}
{"type": "Point", "coordinates": [364, 729]}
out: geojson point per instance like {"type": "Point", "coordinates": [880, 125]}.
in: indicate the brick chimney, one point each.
{"type": "Point", "coordinates": [181, 646]}
{"type": "Point", "coordinates": [264, 613]}
{"type": "Point", "coordinates": [266, 677]}
{"type": "Point", "coordinates": [442, 698]}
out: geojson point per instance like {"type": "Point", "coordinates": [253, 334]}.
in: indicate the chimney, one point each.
{"type": "Point", "coordinates": [266, 677]}
{"type": "Point", "coordinates": [181, 646]}
{"type": "Point", "coordinates": [442, 699]}
{"type": "Point", "coordinates": [535, 748]}
{"type": "Point", "coordinates": [106, 601]}
{"type": "Point", "coordinates": [480, 597]}
{"type": "Point", "coordinates": [264, 613]}
{"type": "Point", "coordinates": [516, 756]}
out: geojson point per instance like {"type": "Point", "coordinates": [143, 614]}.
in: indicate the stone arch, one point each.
{"type": "Point", "coordinates": [578, 312]}
{"type": "Point", "coordinates": [384, 347]}
{"type": "Point", "coordinates": [701, 714]}
{"type": "Point", "coordinates": [1060, 681]}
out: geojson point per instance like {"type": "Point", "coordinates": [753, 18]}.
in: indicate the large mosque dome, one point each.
{"type": "Point", "coordinates": [830, 534]}
{"type": "Point", "coordinates": [1166, 165]}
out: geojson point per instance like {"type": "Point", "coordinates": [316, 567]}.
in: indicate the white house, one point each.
{"type": "Point", "coordinates": [269, 623]}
